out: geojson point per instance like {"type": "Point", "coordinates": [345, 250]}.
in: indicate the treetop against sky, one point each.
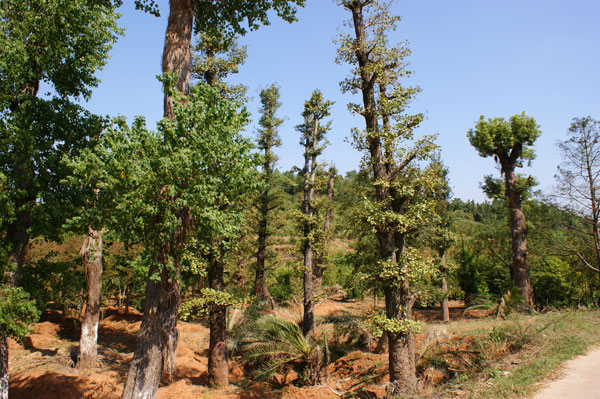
{"type": "Point", "coordinates": [470, 57]}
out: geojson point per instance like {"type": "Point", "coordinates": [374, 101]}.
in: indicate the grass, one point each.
{"type": "Point", "coordinates": [510, 357]}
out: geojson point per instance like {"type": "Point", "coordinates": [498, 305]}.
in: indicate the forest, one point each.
{"type": "Point", "coordinates": [183, 261]}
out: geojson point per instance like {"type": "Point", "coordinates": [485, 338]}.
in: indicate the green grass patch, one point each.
{"type": "Point", "coordinates": [514, 355]}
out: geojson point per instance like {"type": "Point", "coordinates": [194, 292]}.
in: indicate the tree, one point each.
{"type": "Point", "coordinates": [91, 253]}
{"type": "Point", "coordinates": [510, 142]}
{"type": "Point", "coordinates": [396, 209]}
{"type": "Point", "coordinates": [191, 167]}
{"type": "Point", "coordinates": [61, 43]}
{"type": "Point", "coordinates": [268, 138]}
{"type": "Point", "coordinates": [36, 133]}
{"type": "Point", "coordinates": [440, 235]}
{"type": "Point", "coordinates": [313, 140]}
{"type": "Point", "coordinates": [216, 20]}
{"type": "Point", "coordinates": [323, 236]}
{"type": "Point", "coordinates": [578, 180]}
{"type": "Point", "coordinates": [219, 56]}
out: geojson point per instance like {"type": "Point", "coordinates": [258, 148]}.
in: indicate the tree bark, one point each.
{"type": "Point", "coordinates": [91, 252]}
{"type": "Point", "coordinates": [218, 367]}
{"type": "Point", "coordinates": [177, 53]}
{"type": "Point", "coordinates": [261, 290]}
{"type": "Point", "coordinates": [519, 271]}
{"type": "Point", "coordinates": [319, 266]}
{"type": "Point", "coordinates": [310, 146]}
{"type": "Point", "coordinates": [156, 331]}
{"type": "Point", "coordinates": [4, 368]}
{"type": "Point", "coordinates": [444, 305]}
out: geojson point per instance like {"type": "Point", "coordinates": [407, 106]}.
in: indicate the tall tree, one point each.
{"type": "Point", "coordinates": [439, 236]}
{"type": "Point", "coordinates": [510, 143]}
{"type": "Point", "coordinates": [396, 210]}
{"type": "Point", "coordinates": [218, 20]}
{"type": "Point", "coordinates": [36, 133]}
{"type": "Point", "coordinates": [578, 180]}
{"type": "Point", "coordinates": [224, 19]}
{"type": "Point", "coordinates": [61, 43]}
{"type": "Point", "coordinates": [312, 138]}
{"type": "Point", "coordinates": [268, 138]}
{"type": "Point", "coordinates": [325, 234]}
{"type": "Point", "coordinates": [219, 56]}
{"type": "Point", "coordinates": [193, 165]}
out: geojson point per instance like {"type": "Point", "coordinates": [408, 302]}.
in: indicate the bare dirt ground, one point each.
{"type": "Point", "coordinates": [43, 366]}
{"type": "Point", "coordinates": [579, 378]}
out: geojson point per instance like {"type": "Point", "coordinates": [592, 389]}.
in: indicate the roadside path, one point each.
{"type": "Point", "coordinates": [580, 379]}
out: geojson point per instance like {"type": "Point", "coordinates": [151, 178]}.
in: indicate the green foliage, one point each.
{"type": "Point", "coordinates": [54, 283]}
{"type": "Point", "coordinates": [377, 322]}
{"type": "Point", "coordinates": [495, 188]}
{"type": "Point", "coordinates": [287, 284]}
{"type": "Point", "coordinates": [278, 345]}
{"type": "Point", "coordinates": [554, 282]}
{"type": "Point", "coordinates": [342, 271]}
{"type": "Point", "coordinates": [227, 17]}
{"type": "Point", "coordinates": [215, 59]}
{"type": "Point", "coordinates": [61, 42]}
{"type": "Point", "coordinates": [268, 136]}
{"type": "Point", "coordinates": [17, 311]}
{"type": "Point", "coordinates": [198, 307]}
{"type": "Point", "coordinates": [498, 137]}
{"type": "Point", "coordinates": [197, 162]}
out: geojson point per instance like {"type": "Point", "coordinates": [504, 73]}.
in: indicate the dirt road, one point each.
{"type": "Point", "coordinates": [580, 379]}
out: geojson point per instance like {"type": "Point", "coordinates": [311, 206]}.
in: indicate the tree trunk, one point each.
{"type": "Point", "coordinates": [261, 290]}
{"type": "Point", "coordinates": [319, 268]}
{"type": "Point", "coordinates": [444, 304]}
{"type": "Point", "coordinates": [91, 252]}
{"type": "Point", "coordinates": [218, 367]}
{"type": "Point", "coordinates": [402, 363]}
{"type": "Point", "coordinates": [382, 344]}
{"type": "Point", "coordinates": [158, 329]}
{"type": "Point", "coordinates": [18, 236]}
{"type": "Point", "coordinates": [444, 272]}
{"type": "Point", "coordinates": [310, 145]}
{"type": "Point", "coordinates": [519, 271]}
{"type": "Point", "coordinates": [4, 368]}
{"type": "Point", "coordinates": [177, 53]}
{"type": "Point", "coordinates": [398, 303]}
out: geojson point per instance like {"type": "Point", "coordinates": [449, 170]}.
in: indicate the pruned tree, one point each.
{"type": "Point", "coordinates": [324, 235]}
{"type": "Point", "coordinates": [578, 179]}
{"type": "Point", "coordinates": [396, 210]}
{"type": "Point", "coordinates": [510, 143]}
{"type": "Point", "coordinates": [216, 58]}
{"type": "Point", "coordinates": [268, 138]}
{"type": "Point", "coordinates": [312, 138]}
{"type": "Point", "coordinates": [439, 235]}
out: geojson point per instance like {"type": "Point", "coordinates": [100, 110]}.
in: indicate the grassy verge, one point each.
{"type": "Point", "coordinates": [510, 357]}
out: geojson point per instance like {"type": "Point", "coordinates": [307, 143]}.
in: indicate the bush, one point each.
{"type": "Point", "coordinates": [17, 311]}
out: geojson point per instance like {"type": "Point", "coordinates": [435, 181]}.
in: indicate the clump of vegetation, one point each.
{"type": "Point", "coordinates": [278, 346]}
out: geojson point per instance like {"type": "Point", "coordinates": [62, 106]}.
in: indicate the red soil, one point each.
{"type": "Point", "coordinates": [43, 367]}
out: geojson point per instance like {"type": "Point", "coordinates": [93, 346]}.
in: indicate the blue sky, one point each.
{"type": "Point", "coordinates": [470, 57]}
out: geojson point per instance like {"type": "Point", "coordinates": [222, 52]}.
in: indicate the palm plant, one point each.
{"type": "Point", "coordinates": [278, 346]}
